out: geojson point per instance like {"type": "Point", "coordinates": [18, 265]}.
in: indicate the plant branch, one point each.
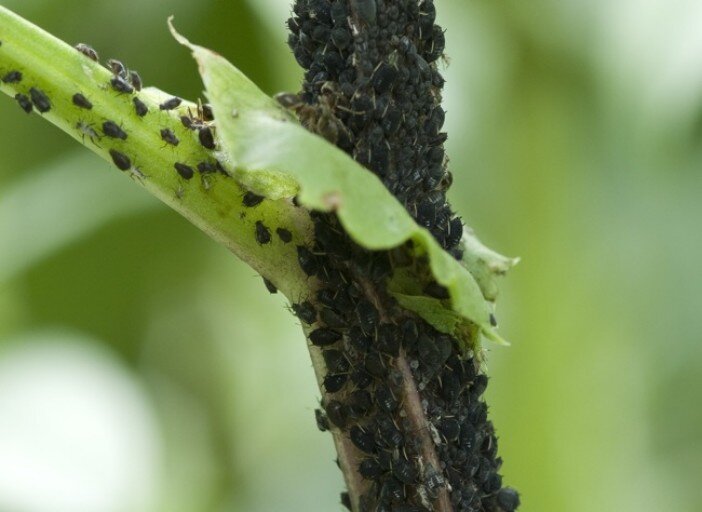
{"type": "Point", "coordinates": [212, 201]}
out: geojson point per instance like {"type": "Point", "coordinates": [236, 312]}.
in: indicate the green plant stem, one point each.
{"type": "Point", "coordinates": [212, 201]}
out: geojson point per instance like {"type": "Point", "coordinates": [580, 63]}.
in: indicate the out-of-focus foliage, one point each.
{"type": "Point", "coordinates": [142, 368]}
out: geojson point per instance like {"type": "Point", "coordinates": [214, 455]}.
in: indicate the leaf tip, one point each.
{"type": "Point", "coordinates": [176, 35]}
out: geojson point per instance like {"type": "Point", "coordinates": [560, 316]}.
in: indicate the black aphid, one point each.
{"type": "Point", "coordinates": [250, 199]}
{"type": "Point", "coordinates": [140, 107]}
{"type": "Point", "coordinates": [337, 413]}
{"type": "Point", "coordinates": [112, 129]}
{"type": "Point", "coordinates": [270, 286]}
{"type": "Point", "coordinates": [121, 86]}
{"type": "Point", "coordinates": [305, 311]}
{"type": "Point", "coordinates": [263, 234]}
{"type": "Point", "coordinates": [321, 419]}
{"type": "Point", "coordinates": [135, 79]}
{"type": "Point", "coordinates": [24, 102]}
{"type": "Point", "coordinates": [385, 399]}
{"type": "Point", "coordinates": [121, 160]}
{"type": "Point", "coordinates": [185, 171]}
{"type": "Point", "coordinates": [40, 100]}
{"type": "Point", "coordinates": [12, 77]}
{"type": "Point", "coordinates": [346, 500]}
{"type": "Point", "coordinates": [323, 337]}
{"type": "Point", "coordinates": [335, 360]}
{"type": "Point", "coordinates": [370, 469]}
{"type": "Point", "coordinates": [333, 383]}
{"type": "Point", "coordinates": [81, 101]}
{"type": "Point", "coordinates": [207, 113]}
{"type": "Point", "coordinates": [331, 318]}
{"type": "Point", "coordinates": [206, 137]}
{"type": "Point", "coordinates": [508, 499]}
{"type": "Point", "coordinates": [404, 471]}
{"type": "Point", "coordinates": [170, 104]}
{"type": "Point", "coordinates": [169, 137]}
{"type": "Point", "coordinates": [188, 122]}
{"type": "Point", "coordinates": [117, 68]}
{"type": "Point", "coordinates": [307, 261]}
{"type": "Point", "coordinates": [360, 402]}
{"type": "Point", "coordinates": [284, 235]}
{"type": "Point", "coordinates": [363, 439]}
{"type": "Point", "coordinates": [206, 167]}
{"type": "Point", "coordinates": [88, 51]}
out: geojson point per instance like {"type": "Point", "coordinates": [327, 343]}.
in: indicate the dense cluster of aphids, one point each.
{"type": "Point", "coordinates": [371, 86]}
{"type": "Point", "coordinates": [127, 83]}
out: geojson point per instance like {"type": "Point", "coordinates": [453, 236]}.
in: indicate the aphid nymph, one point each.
{"type": "Point", "coordinates": [140, 107]}
{"type": "Point", "coordinates": [185, 171]}
{"type": "Point", "coordinates": [112, 129]}
{"type": "Point", "coordinates": [121, 160]}
{"type": "Point", "coordinates": [40, 100]}
{"type": "Point", "coordinates": [12, 77]}
{"type": "Point", "coordinates": [81, 101]}
{"type": "Point", "coordinates": [170, 104]}
{"type": "Point", "coordinates": [169, 137]}
{"type": "Point", "coordinates": [88, 51]}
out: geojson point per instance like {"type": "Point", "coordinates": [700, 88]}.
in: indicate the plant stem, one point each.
{"type": "Point", "coordinates": [210, 200]}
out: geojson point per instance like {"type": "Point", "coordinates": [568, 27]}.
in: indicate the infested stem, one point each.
{"type": "Point", "coordinates": [211, 200]}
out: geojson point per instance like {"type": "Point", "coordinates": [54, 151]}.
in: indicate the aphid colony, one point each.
{"type": "Point", "coordinates": [128, 82]}
{"type": "Point", "coordinates": [372, 87]}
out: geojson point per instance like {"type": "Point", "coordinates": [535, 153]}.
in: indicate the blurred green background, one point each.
{"type": "Point", "coordinates": [144, 369]}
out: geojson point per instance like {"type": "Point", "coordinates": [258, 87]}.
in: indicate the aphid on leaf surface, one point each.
{"type": "Point", "coordinates": [117, 68]}
{"type": "Point", "coordinates": [206, 168]}
{"type": "Point", "coordinates": [12, 77]}
{"type": "Point", "coordinates": [121, 160]}
{"type": "Point", "coordinates": [24, 102]}
{"type": "Point", "coordinates": [40, 100]}
{"type": "Point", "coordinates": [88, 51]}
{"type": "Point", "coordinates": [170, 104]}
{"type": "Point", "coordinates": [119, 85]}
{"type": "Point", "coordinates": [135, 79]}
{"type": "Point", "coordinates": [112, 129]}
{"type": "Point", "coordinates": [81, 101]}
{"type": "Point", "coordinates": [250, 199]}
{"type": "Point", "coordinates": [207, 113]}
{"type": "Point", "coordinates": [263, 234]}
{"type": "Point", "coordinates": [188, 122]}
{"type": "Point", "coordinates": [140, 107]}
{"type": "Point", "coordinates": [206, 137]}
{"type": "Point", "coordinates": [169, 137]}
{"type": "Point", "coordinates": [86, 129]}
{"type": "Point", "coordinates": [185, 171]}
{"type": "Point", "coordinates": [270, 286]}
{"type": "Point", "coordinates": [284, 235]}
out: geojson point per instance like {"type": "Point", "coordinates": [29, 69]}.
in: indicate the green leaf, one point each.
{"type": "Point", "coordinates": [276, 157]}
{"type": "Point", "coordinates": [484, 264]}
